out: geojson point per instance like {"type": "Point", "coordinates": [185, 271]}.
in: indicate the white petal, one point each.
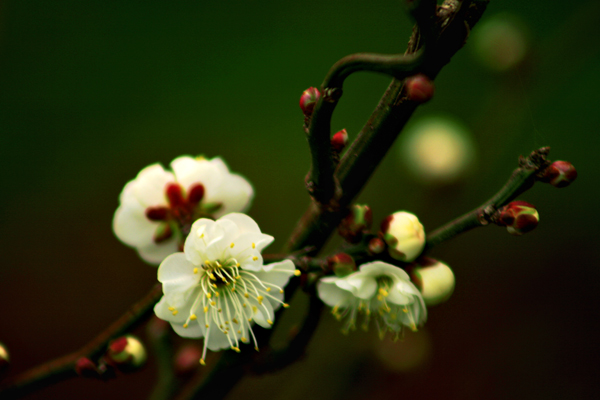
{"type": "Point", "coordinates": [174, 267]}
{"type": "Point", "coordinates": [379, 268]}
{"type": "Point", "coordinates": [220, 165]}
{"type": "Point", "coordinates": [155, 253]}
{"type": "Point", "coordinates": [277, 273]}
{"type": "Point", "coordinates": [131, 225]}
{"type": "Point", "coordinates": [217, 340]}
{"type": "Point", "coordinates": [235, 194]}
{"type": "Point", "coordinates": [194, 329]}
{"type": "Point", "coordinates": [262, 315]}
{"type": "Point", "coordinates": [244, 222]}
{"type": "Point", "coordinates": [189, 171]}
{"type": "Point", "coordinates": [331, 294]}
{"type": "Point", "coordinates": [397, 297]}
{"type": "Point", "coordinates": [150, 185]}
{"type": "Point", "coordinates": [363, 287]}
{"type": "Point", "coordinates": [161, 309]}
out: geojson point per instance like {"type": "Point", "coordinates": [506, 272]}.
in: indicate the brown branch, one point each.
{"type": "Point", "coordinates": [63, 368]}
{"type": "Point", "coordinates": [521, 180]}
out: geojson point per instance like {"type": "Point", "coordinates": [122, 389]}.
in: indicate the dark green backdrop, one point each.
{"type": "Point", "coordinates": [91, 92]}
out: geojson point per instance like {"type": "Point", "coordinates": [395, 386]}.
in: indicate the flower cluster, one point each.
{"type": "Point", "coordinates": [378, 289]}
{"type": "Point", "coordinates": [218, 287]}
{"type": "Point", "coordinates": [158, 207]}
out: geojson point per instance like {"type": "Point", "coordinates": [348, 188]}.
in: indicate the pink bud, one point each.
{"type": "Point", "coordinates": [559, 174]}
{"type": "Point", "coordinates": [519, 217]}
{"type": "Point", "coordinates": [339, 140]}
{"type": "Point", "coordinates": [341, 264]}
{"type": "Point", "coordinates": [126, 353]}
{"type": "Point", "coordinates": [86, 368]}
{"type": "Point", "coordinates": [376, 246]}
{"type": "Point", "coordinates": [419, 88]}
{"type": "Point", "coordinates": [186, 359]}
{"type": "Point", "coordinates": [308, 100]}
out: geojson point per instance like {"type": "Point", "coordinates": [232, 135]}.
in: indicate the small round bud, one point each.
{"type": "Point", "coordinates": [419, 88]}
{"type": "Point", "coordinates": [86, 368]}
{"type": "Point", "coordinates": [404, 235]}
{"type": "Point", "coordinates": [126, 353]}
{"type": "Point", "coordinates": [376, 246]}
{"type": "Point", "coordinates": [308, 100]}
{"type": "Point", "coordinates": [559, 174]}
{"type": "Point", "coordinates": [341, 264]}
{"type": "Point", "coordinates": [434, 279]}
{"type": "Point", "coordinates": [358, 220]}
{"type": "Point", "coordinates": [4, 358]}
{"type": "Point", "coordinates": [519, 217]}
{"type": "Point", "coordinates": [339, 140]}
{"type": "Point", "coordinates": [186, 360]}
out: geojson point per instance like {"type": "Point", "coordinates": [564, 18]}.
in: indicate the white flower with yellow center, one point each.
{"type": "Point", "coordinates": [218, 288]}
{"type": "Point", "coordinates": [158, 207]}
{"type": "Point", "coordinates": [378, 289]}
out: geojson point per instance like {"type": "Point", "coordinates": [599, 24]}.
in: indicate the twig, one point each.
{"type": "Point", "coordinates": [64, 367]}
{"type": "Point", "coordinates": [521, 180]}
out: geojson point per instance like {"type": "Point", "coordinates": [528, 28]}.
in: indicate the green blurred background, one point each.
{"type": "Point", "coordinates": [91, 92]}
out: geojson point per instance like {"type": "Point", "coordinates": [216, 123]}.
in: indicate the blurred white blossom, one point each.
{"type": "Point", "coordinates": [218, 288]}
{"type": "Point", "coordinates": [158, 207]}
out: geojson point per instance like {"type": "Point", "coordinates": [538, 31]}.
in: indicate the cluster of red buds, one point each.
{"type": "Point", "coordinates": [357, 222]}
{"type": "Point", "coordinates": [559, 174]}
{"type": "Point", "coordinates": [518, 217]}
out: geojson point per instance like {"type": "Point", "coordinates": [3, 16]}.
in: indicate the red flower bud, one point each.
{"type": "Point", "coordinates": [339, 140]}
{"type": "Point", "coordinates": [419, 88]}
{"type": "Point", "coordinates": [308, 100]}
{"type": "Point", "coordinates": [86, 368]}
{"type": "Point", "coordinates": [356, 223]}
{"type": "Point", "coordinates": [559, 174]}
{"type": "Point", "coordinates": [376, 246]}
{"type": "Point", "coordinates": [126, 353]}
{"type": "Point", "coordinates": [519, 217]}
{"type": "Point", "coordinates": [341, 264]}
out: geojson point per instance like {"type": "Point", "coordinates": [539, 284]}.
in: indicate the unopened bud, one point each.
{"type": "Point", "coordinates": [559, 174]}
{"type": "Point", "coordinates": [126, 353]}
{"type": "Point", "coordinates": [339, 140]}
{"type": "Point", "coordinates": [186, 359]}
{"type": "Point", "coordinates": [86, 368]}
{"type": "Point", "coordinates": [519, 217]}
{"type": "Point", "coordinates": [358, 221]}
{"type": "Point", "coordinates": [404, 235]}
{"type": "Point", "coordinates": [308, 100]}
{"type": "Point", "coordinates": [419, 88]}
{"type": "Point", "coordinates": [376, 246]}
{"type": "Point", "coordinates": [434, 279]}
{"type": "Point", "coordinates": [4, 358]}
{"type": "Point", "coordinates": [341, 264]}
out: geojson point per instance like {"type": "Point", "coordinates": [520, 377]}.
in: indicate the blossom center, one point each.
{"type": "Point", "coordinates": [182, 210]}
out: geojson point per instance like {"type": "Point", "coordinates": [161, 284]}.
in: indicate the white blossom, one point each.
{"type": "Point", "coordinates": [218, 288]}
{"type": "Point", "coordinates": [404, 235]}
{"type": "Point", "coordinates": [158, 207]}
{"type": "Point", "coordinates": [379, 290]}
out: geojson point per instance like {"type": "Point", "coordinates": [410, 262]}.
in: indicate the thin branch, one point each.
{"type": "Point", "coordinates": [521, 180]}
{"type": "Point", "coordinates": [64, 367]}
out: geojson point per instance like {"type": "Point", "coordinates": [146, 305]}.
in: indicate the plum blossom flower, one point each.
{"type": "Point", "coordinates": [379, 289]}
{"type": "Point", "coordinates": [158, 207]}
{"type": "Point", "coordinates": [218, 287]}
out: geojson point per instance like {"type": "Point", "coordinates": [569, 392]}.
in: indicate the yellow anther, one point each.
{"type": "Point", "coordinates": [253, 245]}
{"type": "Point", "coordinates": [212, 276]}
{"type": "Point", "coordinates": [244, 305]}
{"type": "Point", "coordinates": [268, 289]}
{"type": "Point", "coordinates": [175, 312]}
{"type": "Point", "coordinates": [256, 348]}
{"type": "Point", "coordinates": [383, 292]}
{"type": "Point", "coordinates": [297, 272]}
{"type": "Point", "coordinates": [239, 332]}
{"type": "Point", "coordinates": [405, 310]}
{"type": "Point", "coordinates": [212, 303]}
{"type": "Point", "coordinates": [254, 258]}
{"type": "Point", "coordinates": [185, 325]}
{"type": "Point", "coordinates": [202, 361]}
{"type": "Point", "coordinates": [171, 308]}
{"type": "Point", "coordinates": [280, 290]}
{"type": "Point", "coordinates": [235, 321]}
{"type": "Point", "coordinates": [193, 316]}
{"type": "Point", "coordinates": [207, 326]}
{"type": "Point", "coordinates": [285, 305]}
{"type": "Point", "coordinates": [254, 309]}
{"type": "Point", "coordinates": [195, 270]}
{"type": "Point", "coordinates": [208, 295]}
{"type": "Point", "coordinates": [260, 299]}
{"type": "Point", "coordinates": [249, 319]}
{"type": "Point", "coordinates": [202, 236]}
{"type": "Point", "coordinates": [237, 264]}
{"type": "Point", "coordinates": [335, 309]}
{"type": "Point", "coordinates": [379, 297]}
{"type": "Point", "coordinates": [243, 339]}
{"type": "Point", "coordinates": [217, 294]}
{"type": "Point", "coordinates": [226, 322]}
{"type": "Point", "coordinates": [205, 309]}
{"type": "Point", "coordinates": [238, 277]}
{"type": "Point", "coordinates": [246, 295]}
{"type": "Point", "coordinates": [231, 245]}
{"type": "Point", "coordinates": [236, 349]}
{"type": "Point", "coordinates": [413, 327]}
{"type": "Point", "coordinates": [207, 262]}
{"type": "Point", "coordinates": [270, 322]}
{"type": "Point", "coordinates": [220, 310]}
